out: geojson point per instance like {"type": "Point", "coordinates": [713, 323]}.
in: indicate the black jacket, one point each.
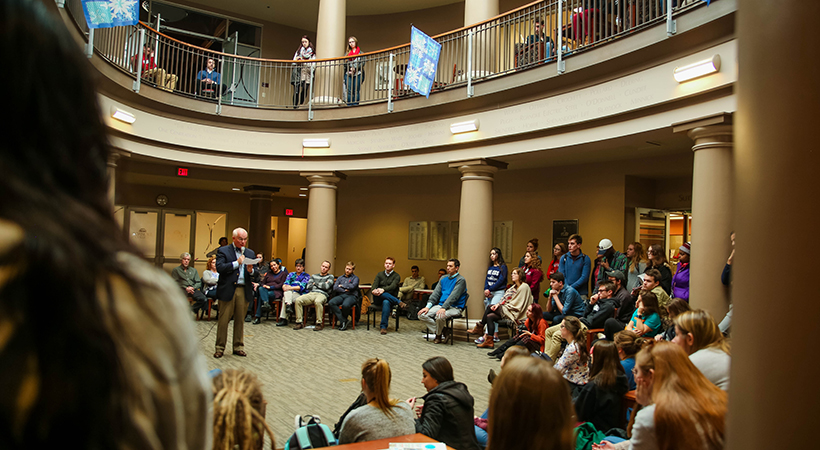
{"type": "Point", "coordinates": [602, 407]}
{"type": "Point", "coordinates": [447, 416]}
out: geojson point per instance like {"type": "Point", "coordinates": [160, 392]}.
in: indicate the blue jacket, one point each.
{"type": "Point", "coordinates": [451, 292]}
{"type": "Point", "coordinates": [213, 76]}
{"type": "Point", "coordinates": [576, 271]}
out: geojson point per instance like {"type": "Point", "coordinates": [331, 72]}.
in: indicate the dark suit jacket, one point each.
{"type": "Point", "coordinates": [228, 276]}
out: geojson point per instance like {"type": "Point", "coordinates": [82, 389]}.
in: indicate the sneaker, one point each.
{"type": "Point", "coordinates": [496, 339]}
{"type": "Point", "coordinates": [479, 340]}
{"type": "Point", "coordinates": [248, 318]}
{"type": "Point", "coordinates": [265, 308]}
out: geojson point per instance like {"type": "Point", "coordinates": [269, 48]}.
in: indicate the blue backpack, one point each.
{"type": "Point", "coordinates": [311, 434]}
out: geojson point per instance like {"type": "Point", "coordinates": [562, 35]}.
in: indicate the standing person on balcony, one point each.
{"type": "Point", "coordinates": [160, 77]}
{"type": "Point", "coordinates": [300, 77]}
{"type": "Point", "coordinates": [354, 72]}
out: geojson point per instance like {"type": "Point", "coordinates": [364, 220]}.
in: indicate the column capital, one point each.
{"type": "Point", "coordinates": [261, 192]}
{"type": "Point", "coordinates": [478, 169]}
{"type": "Point", "coordinates": [723, 118]}
{"type": "Point", "coordinates": [323, 179]}
{"type": "Point", "coordinates": [112, 159]}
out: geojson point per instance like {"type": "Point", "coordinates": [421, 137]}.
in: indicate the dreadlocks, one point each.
{"type": "Point", "coordinates": [239, 421]}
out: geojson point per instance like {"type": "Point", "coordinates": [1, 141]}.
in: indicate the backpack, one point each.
{"type": "Point", "coordinates": [312, 434]}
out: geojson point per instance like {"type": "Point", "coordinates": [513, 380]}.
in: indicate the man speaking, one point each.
{"type": "Point", "coordinates": [233, 291]}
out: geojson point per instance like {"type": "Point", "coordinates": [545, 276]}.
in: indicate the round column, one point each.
{"type": "Point", "coordinates": [475, 229]}
{"type": "Point", "coordinates": [773, 292]}
{"type": "Point", "coordinates": [330, 43]}
{"type": "Point", "coordinates": [320, 242]}
{"type": "Point", "coordinates": [111, 171]}
{"type": "Point", "coordinates": [259, 224]}
{"type": "Point", "coordinates": [712, 205]}
{"type": "Point", "coordinates": [478, 10]}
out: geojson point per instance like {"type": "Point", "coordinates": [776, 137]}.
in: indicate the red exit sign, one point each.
{"type": "Point", "coordinates": [288, 212]}
{"type": "Point", "coordinates": [182, 172]}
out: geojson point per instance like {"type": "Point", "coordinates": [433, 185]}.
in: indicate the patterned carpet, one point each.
{"type": "Point", "coordinates": [308, 372]}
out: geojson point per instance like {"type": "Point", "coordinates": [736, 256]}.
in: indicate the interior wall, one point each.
{"type": "Point", "coordinates": [297, 234]}
{"type": "Point", "coordinates": [376, 32]}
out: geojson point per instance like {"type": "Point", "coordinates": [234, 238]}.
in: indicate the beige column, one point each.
{"type": "Point", "coordinates": [773, 400]}
{"type": "Point", "coordinates": [259, 223]}
{"type": "Point", "coordinates": [712, 208]}
{"type": "Point", "coordinates": [478, 10]}
{"type": "Point", "coordinates": [111, 171]}
{"type": "Point", "coordinates": [330, 43]}
{"type": "Point", "coordinates": [475, 225]}
{"type": "Point", "coordinates": [320, 242]}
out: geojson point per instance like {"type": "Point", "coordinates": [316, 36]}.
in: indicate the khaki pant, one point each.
{"type": "Point", "coordinates": [162, 78]}
{"type": "Point", "coordinates": [313, 298]}
{"type": "Point", "coordinates": [436, 324]}
{"type": "Point", "coordinates": [235, 309]}
{"type": "Point", "coordinates": [552, 342]}
{"type": "Point", "coordinates": [288, 298]}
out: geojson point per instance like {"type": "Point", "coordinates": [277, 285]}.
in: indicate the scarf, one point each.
{"type": "Point", "coordinates": [304, 53]}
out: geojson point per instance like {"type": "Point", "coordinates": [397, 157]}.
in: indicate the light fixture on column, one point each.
{"type": "Point", "coordinates": [698, 69]}
{"type": "Point", "coordinates": [316, 143]}
{"type": "Point", "coordinates": [123, 116]}
{"type": "Point", "coordinates": [464, 127]}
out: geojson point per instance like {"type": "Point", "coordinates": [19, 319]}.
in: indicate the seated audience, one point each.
{"type": "Point", "coordinates": [448, 300]}
{"type": "Point", "coordinates": [564, 300]}
{"type": "Point", "coordinates": [682, 409]}
{"type": "Point", "coordinates": [575, 266]}
{"type": "Point", "coordinates": [646, 320]}
{"type": "Point", "coordinates": [382, 417]}
{"type": "Point", "coordinates": [680, 282]}
{"type": "Point", "coordinates": [188, 280]}
{"type": "Point", "coordinates": [318, 289]}
{"type": "Point", "coordinates": [481, 421]}
{"type": "Point", "coordinates": [270, 288]}
{"type": "Point", "coordinates": [601, 400]}
{"type": "Point", "coordinates": [532, 269]}
{"type": "Point", "coordinates": [385, 291]}
{"type": "Point", "coordinates": [441, 273]}
{"type": "Point", "coordinates": [573, 363]}
{"type": "Point", "coordinates": [658, 261]}
{"type": "Point", "coordinates": [496, 280]}
{"type": "Point", "coordinates": [651, 282]}
{"type": "Point", "coordinates": [559, 250]}
{"type": "Point", "coordinates": [345, 296]}
{"type": "Point", "coordinates": [629, 344]}
{"type": "Point", "coordinates": [530, 408]}
{"type": "Point", "coordinates": [600, 306]}
{"type": "Point", "coordinates": [98, 347]}
{"type": "Point", "coordinates": [513, 308]}
{"type": "Point", "coordinates": [529, 335]}
{"type": "Point", "coordinates": [636, 265]}
{"type": "Point", "coordinates": [210, 278]}
{"type": "Point", "coordinates": [447, 413]}
{"type": "Point", "coordinates": [624, 301]}
{"type": "Point", "coordinates": [675, 308]}
{"type": "Point", "coordinates": [294, 286]}
{"type": "Point", "coordinates": [608, 259]}
{"type": "Point", "coordinates": [209, 81]}
{"type": "Point", "coordinates": [697, 333]}
{"type": "Point", "coordinates": [239, 411]}
{"type": "Point", "coordinates": [160, 77]}
{"type": "Point", "coordinates": [411, 283]}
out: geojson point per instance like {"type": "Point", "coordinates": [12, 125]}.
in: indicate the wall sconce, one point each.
{"type": "Point", "coordinates": [697, 69]}
{"type": "Point", "coordinates": [464, 127]}
{"type": "Point", "coordinates": [123, 116]}
{"type": "Point", "coordinates": [315, 143]}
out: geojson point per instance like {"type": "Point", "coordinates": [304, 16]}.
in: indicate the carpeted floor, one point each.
{"type": "Point", "coordinates": [309, 372]}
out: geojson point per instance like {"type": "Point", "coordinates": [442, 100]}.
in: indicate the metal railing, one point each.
{"type": "Point", "coordinates": [540, 33]}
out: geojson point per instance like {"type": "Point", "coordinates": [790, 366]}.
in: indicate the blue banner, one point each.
{"type": "Point", "coordinates": [111, 13]}
{"type": "Point", "coordinates": [421, 70]}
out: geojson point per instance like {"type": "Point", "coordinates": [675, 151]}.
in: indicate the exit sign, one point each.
{"type": "Point", "coordinates": [288, 212]}
{"type": "Point", "coordinates": [182, 172]}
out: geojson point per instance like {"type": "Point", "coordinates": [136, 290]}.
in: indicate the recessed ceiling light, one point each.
{"type": "Point", "coordinates": [236, 189]}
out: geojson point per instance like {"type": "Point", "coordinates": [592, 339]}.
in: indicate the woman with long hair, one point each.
{"type": "Point", "coordinates": [354, 72]}
{"type": "Point", "coordinates": [301, 76]}
{"type": "Point", "coordinates": [239, 412]}
{"type": "Point", "coordinates": [557, 252]}
{"type": "Point", "coordinates": [532, 246]}
{"type": "Point", "coordinates": [657, 260]}
{"type": "Point", "coordinates": [529, 335]}
{"type": "Point", "coordinates": [270, 288]}
{"type": "Point", "coordinates": [601, 400]}
{"type": "Point", "coordinates": [573, 363]}
{"type": "Point", "coordinates": [512, 307]}
{"type": "Point", "coordinates": [532, 269]}
{"type": "Point", "coordinates": [646, 320]}
{"type": "Point", "coordinates": [699, 336]}
{"type": "Point", "coordinates": [210, 278]}
{"type": "Point", "coordinates": [113, 363]}
{"type": "Point", "coordinates": [635, 266]}
{"type": "Point", "coordinates": [382, 417]}
{"type": "Point", "coordinates": [496, 280]}
{"type": "Point", "coordinates": [682, 409]}
{"type": "Point", "coordinates": [530, 408]}
{"type": "Point", "coordinates": [675, 308]}
{"type": "Point", "coordinates": [447, 413]}
{"type": "Point", "coordinates": [629, 344]}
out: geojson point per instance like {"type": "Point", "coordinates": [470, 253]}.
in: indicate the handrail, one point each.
{"type": "Point", "coordinates": [504, 44]}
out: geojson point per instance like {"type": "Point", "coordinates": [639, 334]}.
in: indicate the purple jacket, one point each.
{"type": "Point", "coordinates": [680, 283]}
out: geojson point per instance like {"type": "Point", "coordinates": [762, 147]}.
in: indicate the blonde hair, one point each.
{"type": "Point", "coordinates": [705, 332]}
{"type": "Point", "coordinates": [239, 408]}
{"type": "Point", "coordinates": [376, 375]}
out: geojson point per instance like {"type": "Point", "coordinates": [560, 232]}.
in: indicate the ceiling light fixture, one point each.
{"type": "Point", "coordinates": [236, 189]}
{"type": "Point", "coordinates": [303, 188]}
{"type": "Point", "coordinates": [464, 127]}
{"type": "Point", "coordinates": [123, 116]}
{"type": "Point", "coordinates": [698, 69]}
{"type": "Point", "coordinates": [316, 143]}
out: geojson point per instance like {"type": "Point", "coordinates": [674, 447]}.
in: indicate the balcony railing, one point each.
{"type": "Point", "coordinates": [503, 45]}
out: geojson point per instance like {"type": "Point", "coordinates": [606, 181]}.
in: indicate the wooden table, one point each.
{"type": "Point", "coordinates": [418, 293]}
{"type": "Point", "coordinates": [385, 443]}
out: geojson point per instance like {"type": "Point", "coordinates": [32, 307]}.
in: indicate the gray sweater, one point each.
{"type": "Point", "coordinates": [714, 364]}
{"type": "Point", "coordinates": [368, 423]}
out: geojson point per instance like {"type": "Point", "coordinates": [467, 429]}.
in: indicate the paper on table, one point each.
{"type": "Point", "coordinates": [418, 446]}
{"type": "Point", "coordinates": [252, 262]}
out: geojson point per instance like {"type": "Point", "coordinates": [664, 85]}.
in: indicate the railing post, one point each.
{"type": "Point", "coordinates": [139, 61]}
{"type": "Point", "coordinates": [60, 3]}
{"type": "Point", "coordinates": [392, 79]}
{"type": "Point", "coordinates": [310, 93]}
{"type": "Point", "coordinates": [560, 44]}
{"type": "Point", "coordinates": [219, 88]}
{"type": "Point", "coordinates": [233, 78]}
{"type": "Point", "coordinates": [671, 25]}
{"type": "Point", "coordinates": [89, 46]}
{"type": "Point", "coordinates": [470, 91]}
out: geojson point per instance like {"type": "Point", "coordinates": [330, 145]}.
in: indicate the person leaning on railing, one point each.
{"type": "Point", "coordinates": [163, 79]}
{"type": "Point", "coordinates": [300, 77]}
{"type": "Point", "coordinates": [354, 72]}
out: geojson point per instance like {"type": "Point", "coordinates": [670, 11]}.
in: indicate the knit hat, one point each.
{"type": "Point", "coordinates": [685, 248]}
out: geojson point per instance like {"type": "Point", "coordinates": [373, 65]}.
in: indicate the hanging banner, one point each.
{"type": "Point", "coordinates": [110, 13]}
{"type": "Point", "coordinates": [424, 54]}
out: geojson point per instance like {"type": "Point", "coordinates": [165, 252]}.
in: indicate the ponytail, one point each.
{"type": "Point", "coordinates": [376, 375]}
{"type": "Point", "coordinates": [579, 336]}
